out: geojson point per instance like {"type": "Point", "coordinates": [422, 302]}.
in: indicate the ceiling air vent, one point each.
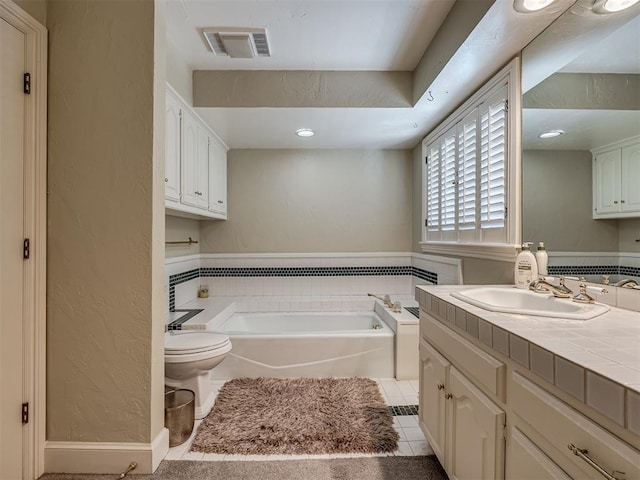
{"type": "Point", "coordinates": [238, 42]}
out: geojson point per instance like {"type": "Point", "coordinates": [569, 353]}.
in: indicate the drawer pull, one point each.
{"type": "Point", "coordinates": [440, 386]}
{"type": "Point", "coordinates": [448, 396]}
{"type": "Point", "coordinates": [584, 454]}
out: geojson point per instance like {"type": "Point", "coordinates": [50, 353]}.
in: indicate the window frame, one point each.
{"type": "Point", "coordinates": [462, 244]}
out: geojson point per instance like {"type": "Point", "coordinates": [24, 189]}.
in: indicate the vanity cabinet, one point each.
{"type": "Point", "coordinates": [462, 424]}
{"type": "Point", "coordinates": [195, 164]}
{"type": "Point", "coordinates": [616, 175]}
{"type": "Point", "coordinates": [488, 416]}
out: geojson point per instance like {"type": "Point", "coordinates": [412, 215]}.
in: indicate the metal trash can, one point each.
{"type": "Point", "coordinates": [179, 414]}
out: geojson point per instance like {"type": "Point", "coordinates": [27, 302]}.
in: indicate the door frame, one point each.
{"type": "Point", "coordinates": [35, 226]}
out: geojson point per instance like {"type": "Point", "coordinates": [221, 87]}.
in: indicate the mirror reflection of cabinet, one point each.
{"type": "Point", "coordinates": [616, 176]}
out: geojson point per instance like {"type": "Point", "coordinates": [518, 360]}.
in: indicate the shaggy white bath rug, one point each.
{"type": "Point", "coordinates": [297, 416]}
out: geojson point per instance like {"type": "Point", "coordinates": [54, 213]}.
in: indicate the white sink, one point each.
{"type": "Point", "coordinates": [525, 302]}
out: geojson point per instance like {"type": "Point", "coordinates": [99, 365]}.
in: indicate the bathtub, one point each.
{"type": "Point", "coordinates": [307, 344]}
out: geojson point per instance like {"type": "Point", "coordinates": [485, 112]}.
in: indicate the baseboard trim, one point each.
{"type": "Point", "coordinates": [105, 457]}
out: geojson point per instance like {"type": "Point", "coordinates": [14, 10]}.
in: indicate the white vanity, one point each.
{"type": "Point", "coordinates": [526, 397]}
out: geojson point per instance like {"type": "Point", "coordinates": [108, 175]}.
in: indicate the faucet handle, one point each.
{"type": "Point", "coordinates": [583, 296]}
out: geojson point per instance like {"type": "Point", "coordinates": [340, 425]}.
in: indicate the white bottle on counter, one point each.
{"type": "Point", "coordinates": [526, 269]}
{"type": "Point", "coordinates": [542, 259]}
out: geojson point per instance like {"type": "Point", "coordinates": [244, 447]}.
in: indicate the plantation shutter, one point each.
{"type": "Point", "coordinates": [433, 187]}
{"type": "Point", "coordinates": [467, 166]}
{"type": "Point", "coordinates": [449, 181]}
{"type": "Point", "coordinates": [493, 125]}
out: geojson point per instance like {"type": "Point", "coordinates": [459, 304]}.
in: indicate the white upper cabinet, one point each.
{"type": "Point", "coordinates": [172, 145]}
{"type": "Point", "coordinates": [616, 176]}
{"type": "Point", "coordinates": [196, 163]}
{"type": "Point", "coordinates": [218, 177]}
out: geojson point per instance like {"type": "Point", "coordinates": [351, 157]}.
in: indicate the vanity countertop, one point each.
{"type": "Point", "coordinates": [608, 345]}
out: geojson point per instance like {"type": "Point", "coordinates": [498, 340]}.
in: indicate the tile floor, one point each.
{"type": "Point", "coordinates": [394, 392]}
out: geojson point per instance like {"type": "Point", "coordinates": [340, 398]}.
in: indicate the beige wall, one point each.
{"type": "Point", "coordinates": [557, 203]}
{"type": "Point", "coordinates": [315, 201]}
{"type": "Point", "coordinates": [629, 235]}
{"type": "Point", "coordinates": [103, 363]}
{"type": "Point", "coordinates": [36, 8]}
{"type": "Point", "coordinates": [178, 229]}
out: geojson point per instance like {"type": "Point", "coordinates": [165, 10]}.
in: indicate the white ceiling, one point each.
{"type": "Point", "coordinates": [368, 35]}
{"type": "Point", "coordinates": [381, 35]}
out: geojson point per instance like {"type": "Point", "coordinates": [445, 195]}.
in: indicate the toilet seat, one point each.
{"type": "Point", "coordinates": [186, 343]}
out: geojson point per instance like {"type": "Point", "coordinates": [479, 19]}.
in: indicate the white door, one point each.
{"type": "Point", "coordinates": [189, 171]}
{"type": "Point", "coordinates": [217, 177]}
{"type": "Point", "coordinates": [202, 168]}
{"type": "Point", "coordinates": [476, 442]}
{"type": "Point", "coordinates": [630, 160]}
{"type": "Point", "coordinates": [12, 101]}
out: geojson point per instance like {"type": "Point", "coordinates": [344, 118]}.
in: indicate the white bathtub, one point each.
{"type": "Point", "coordinates": [307, 344]}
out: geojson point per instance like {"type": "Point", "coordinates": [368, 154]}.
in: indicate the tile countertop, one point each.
{"type": "Point", "coordinates": [215, 310]}
{"type": "Point", "coordinates": [608, 345]}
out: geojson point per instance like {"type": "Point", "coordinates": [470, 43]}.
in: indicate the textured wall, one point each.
{"type": "Point", "coordinates": [178, 229]}
{"type": "Point", "coordinates": [315, 201]}
{"type": "Point", "coordinates": [629, 235]}
{"type": "Point", "coordinates": [557, 205]}
{"type": "Point", "coordinates": [179, 74]}
{"type": "Point", "coordinates": [36, 8]}
{"type": "Point", "coordinates": [101, 181]}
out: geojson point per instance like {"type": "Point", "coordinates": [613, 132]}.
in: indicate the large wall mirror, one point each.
{"type": "Point", "coordinates": [581, 76]}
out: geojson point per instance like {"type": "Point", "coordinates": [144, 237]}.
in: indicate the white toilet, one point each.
{"type": "Point", "coordinates": [189, 356]}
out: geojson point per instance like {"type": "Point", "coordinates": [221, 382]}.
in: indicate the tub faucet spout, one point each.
{"type": "Point", "coordinates": [386, 299]}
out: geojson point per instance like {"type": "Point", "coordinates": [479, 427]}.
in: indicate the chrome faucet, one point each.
{"type": "Point", "coordinates": [627, 283]}
{"type": "Point", "coordinates": [542, 286]}
{"type": "Point", "coordinates": [386, 300]}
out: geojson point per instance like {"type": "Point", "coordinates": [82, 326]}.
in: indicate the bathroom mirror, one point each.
{"type": "Point", "coordinates": [582, 76]}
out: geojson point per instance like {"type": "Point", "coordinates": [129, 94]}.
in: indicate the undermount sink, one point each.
{"type": "Point", "coordinates": [525, 302]}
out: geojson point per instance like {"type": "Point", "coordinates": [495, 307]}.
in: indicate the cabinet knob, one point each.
{"type": "Point", "coordinates": [615, 201]}
{"type": "Point", "coordinates": [621, 201]}
{"type": "Point", "coordinates": [448, 396]}
{"type": "Point", "coordinates": [220, 201]}
{"type": "Point", "coordinates": [440, 386]}
{"type": "Point", "coordinates": [166, 180]}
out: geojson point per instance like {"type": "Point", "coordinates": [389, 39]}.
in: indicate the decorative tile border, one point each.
{"type": "Point", "coordinates": [594, 270]}
{"type": "Point", "coordinates": [177, 324]}
{"type": "Point", "coordinates": [218, 272]}
{"type": "Point", "coordinates": [526, 353]}
{"type": "Point", "coordinates": [402, 410]}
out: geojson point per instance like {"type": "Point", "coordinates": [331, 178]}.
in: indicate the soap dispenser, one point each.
{"type": "Point", "coordinates": [526, 268]}
{"type": "Point", "coordinates": [542, 259]}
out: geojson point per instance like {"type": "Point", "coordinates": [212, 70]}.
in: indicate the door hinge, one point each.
{"type": "Point", "coordinates": [26, 248]}
{"type": "Point", "coordinates": [25, 413]}
{"type": "Point", "coordinates": [506, 211]}
{"type": "Point", "coordinates": [506, 105]}
{"type": "Point", "coordinates": [27, 83]}
{"type": "Point", "coordinates": [505, 431]}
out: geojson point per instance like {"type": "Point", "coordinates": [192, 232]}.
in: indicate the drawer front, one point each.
{"type": "Point", "coordinates": [562, 426]}
{"type": "Point", "coordinates": [485, 369]}
{"type": "Point", "coordinates": [525, 461]}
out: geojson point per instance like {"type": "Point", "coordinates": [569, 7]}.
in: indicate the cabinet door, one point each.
{"type": "Point", "coordinates": [202, 169]}
{"type": "Point", "coordinates": [475, 425]}
{"type": "Point", "coordinates": [630, 188]}
{"type": "Point", "coordinates": [606, 183]}
{"type": "Point", "coordinates": [217, 177]}
{"type": "Point", "coordinates": [189, 170]}
{"type": "Point", "coordinates": [431, 411]}
{"type": "Point", "coordinates": [172, 150]}
{"type": "Point", "coordinates": [525, 461]}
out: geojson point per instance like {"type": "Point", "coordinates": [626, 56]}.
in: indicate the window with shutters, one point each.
{"type": "Point", "coordinates": [470, 180]}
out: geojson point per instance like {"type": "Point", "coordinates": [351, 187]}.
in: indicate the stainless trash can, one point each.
{"type": "Point", "coordinates": [179, 414]}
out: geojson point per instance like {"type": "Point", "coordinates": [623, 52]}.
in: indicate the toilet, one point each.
{"type": "Point", "coordinates": [189, 356]}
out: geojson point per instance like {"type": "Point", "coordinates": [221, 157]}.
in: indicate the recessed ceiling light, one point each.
{"type": "Point", "coordinates": [612, 6]}
{"type": "Point", "coordinates": [527, 6]}
{"type": "Point", "coordinates": [551, 134]}
{"type": "Point", "coordinates": [305, 132]}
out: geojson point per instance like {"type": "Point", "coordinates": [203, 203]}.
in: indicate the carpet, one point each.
{"type": "Point", "coordinates": [371, 468]}
{"type": "Point", "coordinates": [266, 416]}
